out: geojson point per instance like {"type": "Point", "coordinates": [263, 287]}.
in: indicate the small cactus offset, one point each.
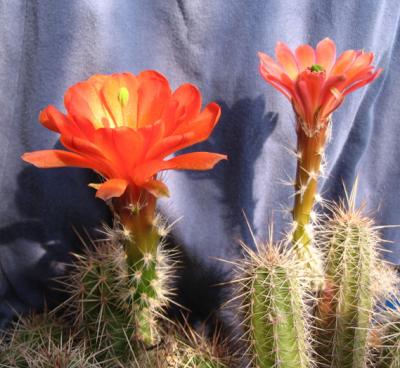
{"type": "Point", "coordinates": [351, 243]}
{"type": "Point", "coordinates": [273, 289]}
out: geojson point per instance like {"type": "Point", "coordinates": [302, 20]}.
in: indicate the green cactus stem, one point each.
{"type": "Point", "coordinates": [273, 288]}
{"type": "Point", "coordinates": [351, 243]}
{"type": "Point", "coordinates": [141, 238]}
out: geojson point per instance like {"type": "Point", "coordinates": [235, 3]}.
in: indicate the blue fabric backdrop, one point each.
{"type": "Point", "coordinates": [45, 46]}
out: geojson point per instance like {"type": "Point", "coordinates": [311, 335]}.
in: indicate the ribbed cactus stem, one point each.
{"type": "Point", "coordinates": [351, 242]}
{"type": "Point", "coordinates": [100, 276]}
{"type": "Point", "coordinates": [310, 147]}
{"type": "Point", "coordinates": [145, 298]}
{"type": "Point", "coordinates": [136, 212]}
{"type": "Point", "coordinates": [276, 315]}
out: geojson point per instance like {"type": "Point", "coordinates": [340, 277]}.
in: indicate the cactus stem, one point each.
{"type": "Point", "coordinates": [351, 244]}
{"type": "Point", "coordinates": [273, 293]}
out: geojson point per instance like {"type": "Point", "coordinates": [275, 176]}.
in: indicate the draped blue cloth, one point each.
{"type": "Point", "coordinates": [46, 46]}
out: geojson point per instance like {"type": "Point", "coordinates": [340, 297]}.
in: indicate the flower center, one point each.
{"type": "Point", "coordinates": [316, 68]}
{"type": "Point", "coordinates": [123, 96]}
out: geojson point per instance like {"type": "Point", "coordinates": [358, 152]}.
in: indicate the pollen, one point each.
{"type": "Point", "coordinates": [123, 96]}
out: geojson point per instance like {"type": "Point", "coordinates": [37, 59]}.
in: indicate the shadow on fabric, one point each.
{"type": "Point", "coordinates": [241, 133]}
{"type": "Point", "coordinates": [53, 203]}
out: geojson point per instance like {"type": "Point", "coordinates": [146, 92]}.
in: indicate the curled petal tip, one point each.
{"type": "Point", "coordinates": [110, 189]}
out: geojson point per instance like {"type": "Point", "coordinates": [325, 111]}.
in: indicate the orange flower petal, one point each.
{"type": "Point", "coordinates": [56, 121]}
{"type": "Point", "coordinates": [269, 65]}
{"type": "Point", "coordinates": [153, 96]}
{"type": "Point", "coordinates": [122, 147]}
{"type": "Point", "coordinates": [311, 86]}
{"type": "Point", "coordinates": [305, 56]}
{"type": "Point", "coordinates": [166, 146]}
{"type": "Point", "coordinates": [81, 146]}
{"type": "Point", "coordinates": [152, 134]}
{"type": "Point", "coordinates": [344, 62]}
{"type": "Point", "coordinates": [332, 103]}
{"type": "Point", "coordinates": [47, 121]}
{"type": "Point", "coordinates": [326, 54]}
{"type": "Point", "coordinates": [277, 83]}
{"type": "Point", "coordinates": [55, 158]}
{"type": "Point", "coordinates": [360, 69]}
{"type": "Point", "coordinates": [363, 82]}
{"type": "Point", "coordinates": [203, 125]}
{"type": "Point", "coordinates": [152, 74]}
{"type": "Point", "coordinates": [83, 103]}
{"type": "Point", "coordinates": [196, 161]}
{"type": "Point", "coordinates": [336, 82]}
{"type": "Point", "coordinates": [287, 59]}
{"type": "Point", "coordinates": [305, 101]}
{"type": "Point", "coordinates": [145, 172]}
{"type": "Point", "coordinates": [157, 188]}
{"type": "Point", "coordinates": [188, 104]}
{"type": "Point", "coordinates": [111, 188]}
{"type": "Point", "coordinates": [129, 145]}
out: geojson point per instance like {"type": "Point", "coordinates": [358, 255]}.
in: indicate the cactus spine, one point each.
{"type": "Point", "coordinates": [390, 340]}
{"type": "Point", "coordinates": [273, 290]}
{"type": "Point", "coordinates": [351, 242]}
{"type": "Point", "coordinates": [391, 347]}
{"type": "Point", "coordinates": [186, 348]}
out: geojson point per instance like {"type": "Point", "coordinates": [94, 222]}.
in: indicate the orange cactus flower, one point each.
{"type": "Point", "coordinates": [316, 84]}
{"type": "Point", "coordinates": [125, 126]}
{"type": "Point", "coordinates": [314, 81]}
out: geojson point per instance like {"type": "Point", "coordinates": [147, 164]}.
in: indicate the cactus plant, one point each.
{"type": "Point", "coordinates": [42, 341]}
{"type": "Point", "coordinates": [351, 244]}
{"type": "Point", "coordinates": [124, 127]}
{"type": "Point", "coordinates": [113, 304]}
{"type": "Point", "coordinates": [273, 288]}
